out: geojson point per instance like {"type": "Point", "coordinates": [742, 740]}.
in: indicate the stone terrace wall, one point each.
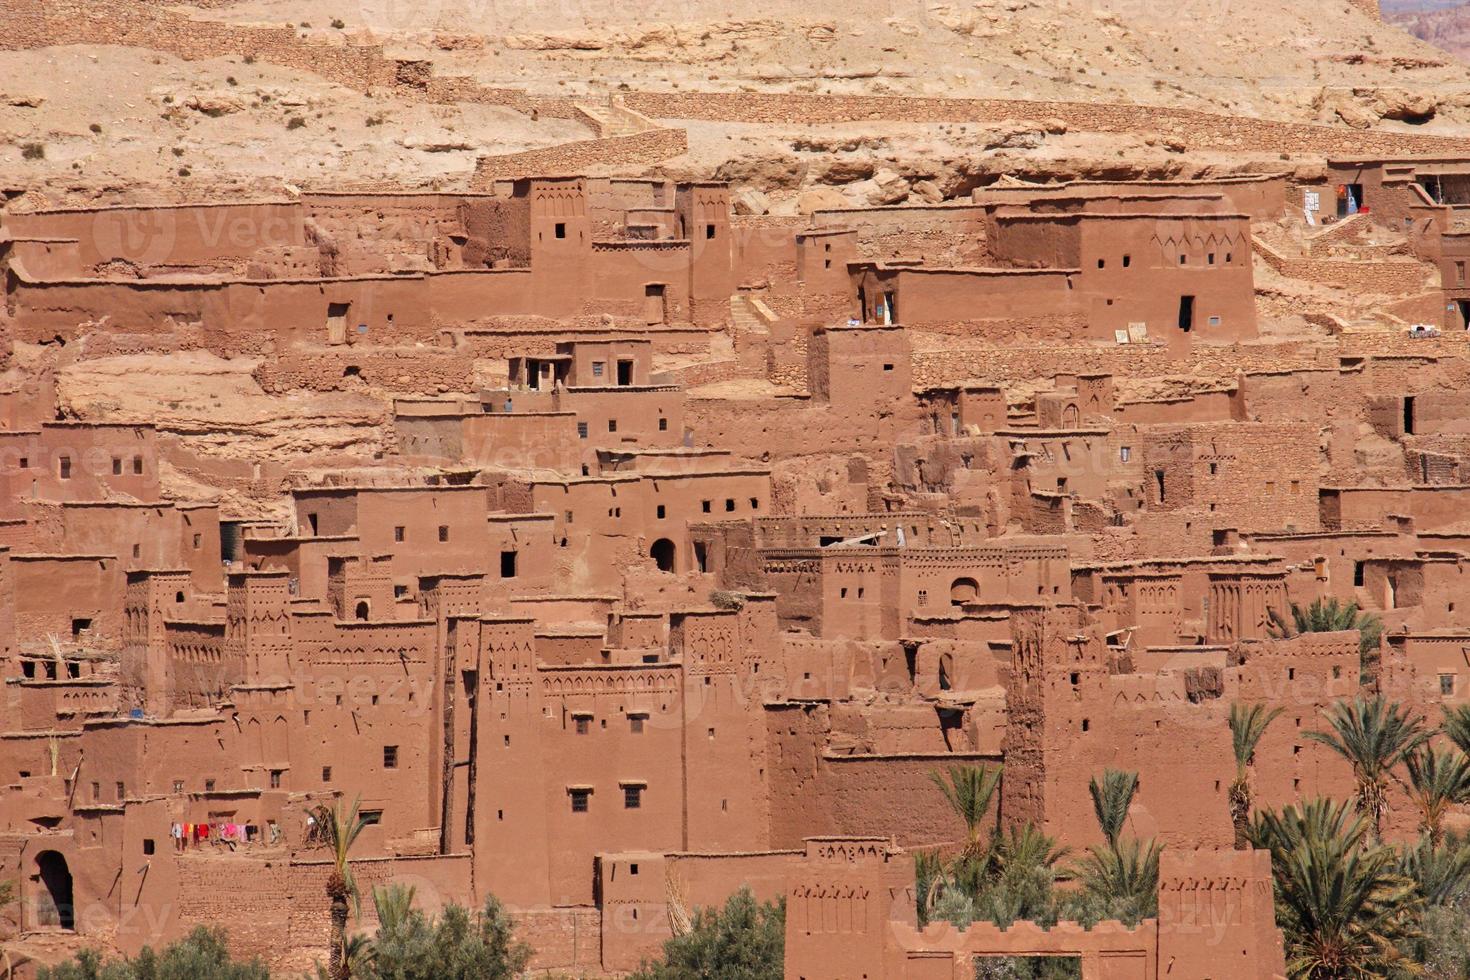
{"type": "Point", "coordinates": [1391, 277]}
{"type": "Point", "coordinates": [1198, 130]}
{"type": "Point", "coordinates": [621, 152]}
{"type": "Point", "coordinates": [39, 23]}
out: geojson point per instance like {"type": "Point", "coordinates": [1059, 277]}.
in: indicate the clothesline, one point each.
{"type": "Point", "coordinates": [229, 834]}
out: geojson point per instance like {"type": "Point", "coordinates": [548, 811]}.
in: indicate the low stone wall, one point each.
{"type": "Point", "coordinates": [613, 153]}
{"type": "Point", "coordinates": [1387, 277]}
{"type": "Point", "coordinates": [1196, 130]}
{"type": "Point", "coordinates": [406, 371]}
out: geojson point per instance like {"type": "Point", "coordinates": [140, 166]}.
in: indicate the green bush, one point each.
{"type": "Point", "coordinates": [202, 955]}
{"type": "Point", "coordinates": [746, 940]}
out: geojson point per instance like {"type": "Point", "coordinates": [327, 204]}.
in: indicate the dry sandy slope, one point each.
{"type": "Point", "coordinates": [1254, 56]}
{"type": "Point", "coordinates": [170, 124]}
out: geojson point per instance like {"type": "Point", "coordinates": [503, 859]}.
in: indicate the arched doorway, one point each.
{"type": "Point", "coordinates": [54, 908]}
{"type": "Point", "coordinates": [361, 612]}
{"type": "Point", "coordinates": [663, 554]}
{"type": "Point", "coordinates": [1070, 417]}
{"type": "Point", "coordinates": [963, 590]}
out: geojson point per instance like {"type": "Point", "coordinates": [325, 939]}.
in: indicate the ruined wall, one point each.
{"type": "Point", "coordinates": [1197, 130]}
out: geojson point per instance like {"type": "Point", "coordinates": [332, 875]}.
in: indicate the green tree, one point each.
{"type": "Point", "coordinates": [1332, 616]}
{"type": "Point", "coordinates": [454, 945]}
{"type": "Point", "coordinates": [1025, 869]}
{"type": "Point", "coordinates": [1247, 724]}
{"type": "Point", "coordinates": [745, 940]}
{"type": "Point", "coordinates": [1118, 881]}
{"type": "Point", "coordinates": [1120, 877]}
{"type": "Point", "coordinates": [339, 829]}
{"type": "Point", "coordinates": [1438, 780]}
{"type": "Point", "coordinates": [1456, 726]}
{"type": "Point", "coordinates": [969, 791]}
{"type": "Point", "coordinates": [1374, 736]}
{"type": "Point", "coordinates": [1111, 799]}
{"type": "Point", "coordinates": [202, 955]}
{"type": "Point", "coordinates": [1341, 902]}
{"type": "Point", "coordinates": [1442, 876]}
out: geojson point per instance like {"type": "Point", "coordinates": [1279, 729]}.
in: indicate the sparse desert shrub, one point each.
{"type": "Point", "coordinates": [295, 122]}
{"type": "Point", "coordinates": [33, 151]}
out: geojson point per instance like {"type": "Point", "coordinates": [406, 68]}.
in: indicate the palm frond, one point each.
{"type": "Point", "coordinates": [969, 791]}
{"type": "Point", "coordinates": [1110, 801]}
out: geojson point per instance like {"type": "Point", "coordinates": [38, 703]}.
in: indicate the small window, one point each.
{"type": "Point", "coordinates": [1102, 263]}
{"type": "Point", "coordinates": [275, 779]}
{"type": "Point", "coordinates": [709, 231]}
{"type": "Point", "coordinates": [580, 799]}
{"type": "Point", "coordinates": [1210, 258]}
{"type": "Point", "coordinates": [635, 724]}
{"type": "Point", "coordinates": [96, 792]}
{"type": "Point", "coordinates": [1447, 685]}
{"type": "Point", "coordinates": [597, 368]}
{"type": "Point", "coordinates": [1358, 570]}
{"type": "Point", "coordinates": [400, 533]}
{"type": "Point", "coordinates": [755, 503]}
{"type": "Point", "coordinates": [122, 792]}
{"type": "Point", "coordinates": [729, 503]}
{"type": "Point", "coordinates": [25, 462]}
{"type": "Point", "coordinates": [888, 367]}
{"type": "Point", "coordinates": [632, 797]}
{"type": "Point", "coordinates": [662, 511]}
{"type": "Point", "coordinates": [704, 505]}
{"type": "Point", "coordinates": [326, 774]}
{"type": "Point", "coordinates": [663, 425]}
{"type": "Point", "coordinates": [80, 626]}
{"type": "Point", "coordinates": [581, 430]}
{"type": "Point", "coordinates": [137, 465]}
{"type": "Point", "coordinates": [147, 845]}
{"type": "Point", "coordinates": [561, 229]}
{"type": "Point", "coordinates": [117, 466]}
{"type": "Point", "coordinates": [508, 562]}
{"type": "Point", "coordinates": [1124, 452]}
{"type": "Point", "coordinates": [583, 724]}
{"type": "Point", "coordinates": [209, 786]}
{"type": "Point", "coordinates": [63, 467]}
{"type": "Point", "coordinates": [390, 757]}
{"type": "Point", "coordinates": [443, 532]}
{"type": "Point", "coordinates": [612, 425]}
{"type": "Point", "coordinates": [371, 818]}
{"type": "Point", "coordinates": [1127, 261]}
{"type": "Point", "coordinates": [178, 786]}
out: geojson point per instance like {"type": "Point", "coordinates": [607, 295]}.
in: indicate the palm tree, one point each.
{"type": "Point", "coordinates": [1026, 865]}
{"type": "Point", "coordinates": [969, 790]}
{"type": "Point", "coordinates": [339, 830]}
{"type": "Point", "coordinates": [394, 905]}
{"type": "Point", "coordinates": [1331, 616]}
{"type": "Point", "coordinates": [1438, 780]}
{"type": "Point", "coordinates": [1110, 801]}
{"type": "Point", "coordinates": [1120, 881]}
{"type": "Point", "coordinates": [1247, 724]}
{"type": "Point", "coordinates": [1373, 735]}
{"type": "Point", "coordinates": [1456, 726]}
{"type": "Point", "coordinates": [1340, 900]}
{"type": "Point", "coordinates": [928, 882]}
{"type": "Point", "coordinates": [1441, 872]}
